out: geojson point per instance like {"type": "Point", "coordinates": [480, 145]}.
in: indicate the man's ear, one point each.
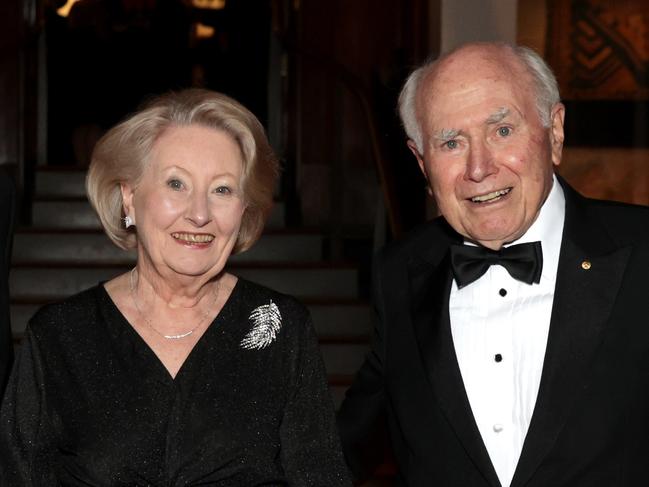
{"type": "Point", "coordinates": [422, 165]}
{"type": "Point", "coordinates": [127, 200]}
{"type": "Point", "coordinates": [420, 158]}
{"type": "Point", "coordinates": [557, 116]}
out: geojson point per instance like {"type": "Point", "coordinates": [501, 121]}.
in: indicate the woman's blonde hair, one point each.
{"type": "Point", "coordinates": [122, 153]}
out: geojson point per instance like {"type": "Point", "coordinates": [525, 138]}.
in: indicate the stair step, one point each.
{"type": "Point", "coordinates": [338, 394]}
{"type": "Point", "coordinates": [48, 247]}
{"type": "Point", "coordinates": [85, 247]}
{"type": "Point", "coordinates": [352, 320]}
{"type": "Point", "coordinates": [20, 315]}
{"type": "Point", "coordinates": [71, 182]}
{"type": "Point", "coordinates": [338, 385]}
{"type": "Point", "coordinates": [76, 213]}
{"type": "Point", "coordinates": [64, 214]}
{"type": "Point", "coordinates": [302, 281]}
{"type": "Point", "coordinates": [343, 359]}
{"type": "Point", "coordinates": [284, 247]}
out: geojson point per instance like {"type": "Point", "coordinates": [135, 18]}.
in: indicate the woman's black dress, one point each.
{"type": "Point", "coordinates": [90, 404]}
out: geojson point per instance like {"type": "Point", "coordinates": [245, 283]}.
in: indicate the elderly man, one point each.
{"type": "Point", "coordinates": [512, 339]}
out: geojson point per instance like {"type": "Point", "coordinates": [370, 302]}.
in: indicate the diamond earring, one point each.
{"type": "Point", "coordinates": [128, 221]}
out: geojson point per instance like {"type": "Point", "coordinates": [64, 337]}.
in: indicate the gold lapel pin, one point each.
{"type": "Point", "coordinates": [585, 265]}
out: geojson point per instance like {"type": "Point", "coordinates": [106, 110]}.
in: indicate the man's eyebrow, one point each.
{"type": "Point", "coordinates": [445, 135]}
{"type": "Point", "coordinates": [498, 116]}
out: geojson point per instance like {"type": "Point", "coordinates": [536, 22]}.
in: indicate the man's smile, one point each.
{"type": "Point", "coordinates": [491, 196]}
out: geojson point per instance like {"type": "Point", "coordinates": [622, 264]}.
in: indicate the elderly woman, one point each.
{"type": "Point", "coordinates": [175, 373]}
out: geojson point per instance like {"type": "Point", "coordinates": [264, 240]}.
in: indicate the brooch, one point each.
{"type": "Point", "coordinates": [266, 322]}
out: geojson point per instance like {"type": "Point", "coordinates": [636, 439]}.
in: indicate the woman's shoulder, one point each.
{"type": "Point", "coordinates": [256, 296]}
{"type": "Point", "coordinates": [78, 308]}
{"type": "Point", "coordinates": [270, 314]}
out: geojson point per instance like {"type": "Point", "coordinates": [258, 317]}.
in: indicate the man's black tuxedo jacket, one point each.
{"type": "Point", "coordinates": [590, 426]}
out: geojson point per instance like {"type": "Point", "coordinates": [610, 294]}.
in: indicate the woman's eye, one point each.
{"type": "Point", "coordinates": [504, 131]}
{"type": "Point", "coordinates": [175, 184]}
{"type": "Point", "coordinates": [451, 144]}
{"type": "Point", "coordinates": [223, 190]}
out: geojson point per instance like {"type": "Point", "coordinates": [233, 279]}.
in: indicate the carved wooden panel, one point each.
{"type": "Point", "coordinates": [611, 173]}
{"type": "Point", "coordinates": [599, 49]}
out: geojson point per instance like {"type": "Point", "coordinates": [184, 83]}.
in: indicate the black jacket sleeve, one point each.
{"type": "Point", "coordinates": [26, 441]}
{"type": "Point", "coordinates": [311, 454]}
{"type": "Point", "coordinates": [362, 415]}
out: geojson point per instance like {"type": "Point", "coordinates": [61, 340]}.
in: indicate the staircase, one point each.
{"type": "Point", "coordinates": [65, 251]}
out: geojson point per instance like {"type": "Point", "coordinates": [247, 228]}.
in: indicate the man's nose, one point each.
{"type": "Point", "coordinates": [198, 211]}
{"type": "Point", "coordinates": [480, 163]}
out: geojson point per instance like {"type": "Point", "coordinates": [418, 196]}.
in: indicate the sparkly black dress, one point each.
{"type": "Point", "coordinates": [90, 404]}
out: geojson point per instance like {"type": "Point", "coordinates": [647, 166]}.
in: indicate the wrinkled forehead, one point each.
{"type": "Point", "coordinates": [471, 65]}
{"type": "Point", "coordinates": [472, 73]}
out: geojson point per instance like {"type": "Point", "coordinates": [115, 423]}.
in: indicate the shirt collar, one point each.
{"type": "Point", "coordinates": [548, 229]}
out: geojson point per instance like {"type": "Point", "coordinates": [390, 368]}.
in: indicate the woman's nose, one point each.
{"type": "Point", "coordinates": [198, 211]}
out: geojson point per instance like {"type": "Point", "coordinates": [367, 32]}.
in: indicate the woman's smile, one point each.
{"type": "Point", "coordinates": [194, 240]}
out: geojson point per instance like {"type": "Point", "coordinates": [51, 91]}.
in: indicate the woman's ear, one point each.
{"type": "Point", "coordinates": [127, 202]}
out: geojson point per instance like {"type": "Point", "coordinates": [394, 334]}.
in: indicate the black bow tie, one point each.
{"type": "Point", "coordinates": [524, 262]}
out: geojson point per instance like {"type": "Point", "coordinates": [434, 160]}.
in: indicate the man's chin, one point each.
{"type": "Point", "coordinates": [494, 240]}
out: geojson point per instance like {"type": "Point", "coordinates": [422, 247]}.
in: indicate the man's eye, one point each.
{"type": "Point", "coordinates": [175, 184]}
{"type": "Point", "coordinates": [504, 131]}
{"type": "Point", "coordinates": [451, 144]}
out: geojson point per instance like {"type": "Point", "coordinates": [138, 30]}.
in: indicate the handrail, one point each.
{"type": "Point", "coordinates": [360, 90]}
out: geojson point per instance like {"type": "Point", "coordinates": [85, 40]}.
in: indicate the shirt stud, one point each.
{"type": "Point", "coordinates": [585, 265]}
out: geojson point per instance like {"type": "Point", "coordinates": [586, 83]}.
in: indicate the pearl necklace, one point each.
{"type": "Point", "coordinates": [148, 323]}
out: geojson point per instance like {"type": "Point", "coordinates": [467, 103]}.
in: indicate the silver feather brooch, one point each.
{"type": "Point", "coordinates": [266, 322]}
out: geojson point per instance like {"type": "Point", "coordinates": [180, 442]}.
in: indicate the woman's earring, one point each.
{"type": "Point", "coordinates": [128, 221]}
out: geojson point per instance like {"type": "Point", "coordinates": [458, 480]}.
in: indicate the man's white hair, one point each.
{"type": "Point", "coordinates": [547, 90]}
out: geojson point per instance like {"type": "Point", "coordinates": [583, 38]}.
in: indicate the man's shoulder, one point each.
{"type": "Point", "coordinates": [617, 209]}
{"type": "Point", "coordinates": [624, 222]}
{"type": "Point", "coordinates": [621, 221]}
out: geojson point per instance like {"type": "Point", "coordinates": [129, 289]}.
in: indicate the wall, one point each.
{"type": "Point", "coordinates": [477, 20]}
{"type": "Point", "coordinates": [370, 44]}
{"type": "Point", "coordinates": [10, 22]}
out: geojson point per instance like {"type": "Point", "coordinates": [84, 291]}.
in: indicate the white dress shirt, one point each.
{"type": "Point", "coordinates": [500, 332]}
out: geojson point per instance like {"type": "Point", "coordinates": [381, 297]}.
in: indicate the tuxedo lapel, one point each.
{"type": "Point", "coordinates": [589, 275]}
{"type": "Point", "coordinates": [430, 289]}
